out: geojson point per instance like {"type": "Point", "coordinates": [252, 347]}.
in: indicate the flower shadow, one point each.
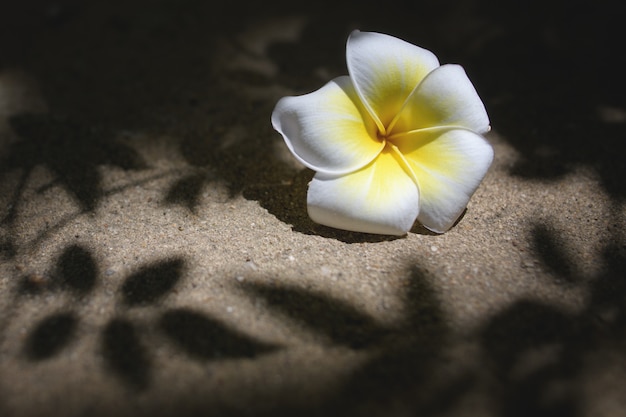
{"type": "Point", "coordinates": [287, 201]}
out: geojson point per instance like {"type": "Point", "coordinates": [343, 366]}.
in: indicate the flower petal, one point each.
{"type": "Point", "coordinates": [449, 166]}
{"type": "Point", "coordinates": [380, 198]}
{"type": "Point", "coordinates": [446, 97]}
{"type": "Point", "coordinates": [385, 70]}
{"type": "Point", "coordinates": [328, 130]}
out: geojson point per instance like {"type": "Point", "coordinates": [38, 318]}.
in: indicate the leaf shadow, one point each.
{"type": "Point", "coordinates": [331, 318]}
{"type": "Point", "coordinates": [76, 271]}
{"type": "Point", "coordinates": [204, 338]}
{"type": "Point", "coordinates": [187, 190]}
{"type": "Point", "coordinates": [401, 370]}
{"type": "Point", "coordinates": [51, 335]}
{"type": "Point", "coordinates": [151, 282]}
{"type": "Point", "coordinates": [549, 248]}
{"type": "Point", "coordinates": [124, 354]}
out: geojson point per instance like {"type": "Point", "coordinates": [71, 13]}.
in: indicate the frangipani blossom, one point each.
{"type": "Point", "coordinates": [398, 140]}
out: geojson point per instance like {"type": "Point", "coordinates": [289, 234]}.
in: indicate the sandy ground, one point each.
{"type": "Point", "coordinates": [156, 258]}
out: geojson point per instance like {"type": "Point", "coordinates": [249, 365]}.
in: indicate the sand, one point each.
{"type": "Point", "coordinates": [156, 257]}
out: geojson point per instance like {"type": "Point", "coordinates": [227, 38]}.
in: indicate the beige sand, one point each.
{"type": "Point", "coordinates": [156, 256]}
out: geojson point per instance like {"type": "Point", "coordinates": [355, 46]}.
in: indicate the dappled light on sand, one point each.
{"type": "Point", "coordinates": [157, 258]}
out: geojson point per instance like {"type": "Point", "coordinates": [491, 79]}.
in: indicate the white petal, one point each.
{"type": "Point", "coordinates": [380, 198]}
{"type": "Point", "coordinates": [446, 97]}
{"type": "Point", "coordinates": [449, 166]}
{"type": "Point", "coordinates": [385, 70]}
{"type": "Point", "coordinates": [328, 130]}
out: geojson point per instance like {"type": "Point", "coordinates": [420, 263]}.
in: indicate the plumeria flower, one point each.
{"type": "Point", "coordinates": [396, 140]}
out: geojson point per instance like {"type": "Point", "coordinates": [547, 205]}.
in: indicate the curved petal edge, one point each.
{"type": "Point", "coordinates": [446, 97]}
{"type": "Point", "coordinates": [328, 130]}
{"type": "Point", "coordinates": [449, 169]}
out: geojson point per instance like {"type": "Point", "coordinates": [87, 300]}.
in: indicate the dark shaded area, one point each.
{"type": "Point", "coordinates": [331, 318]}
{"type": "Point", "coordinates": [187, 190]}
{"type": "Point", "coordinates": [151, 282]}
{"type": "Point", "coordinates": [205, 338]}
{"type": "Point", "coordinates": [124, 354]}
{"type": "Point", "coordinates": [554, 328]}
{"type": "Point", "coordinates": [404, 370]}
{"type": "Point", "coordinates": [7, 249]}
{"type": "Point", "coordinates": [607, 305]}
{"type": "Point", "coordinates": [549, 387]}
{"type": "Point", "coordinates": [71, 151]}
{"type": "Point", "coordinates": [551, 72]}
{"type": "Point", "coordinates": [537, 352]}
{"type": "Point", "coordinates": [287, 201]}
{"type": "Point", "coordinates": [77, 269]}
{"type": "Point", "coordinates": [525, 59]}
{"type": "Point", "coordinates": [238, 166]}
{"type": "Point", "coordinates": [549, 249]}
{"type": "Point", "coordinates": [51, 336]}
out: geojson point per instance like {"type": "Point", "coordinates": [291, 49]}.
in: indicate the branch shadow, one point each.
{"type": "Point", "coordinates": [404, 358]}
{"type": "Point", "coordinates": [71, 151]}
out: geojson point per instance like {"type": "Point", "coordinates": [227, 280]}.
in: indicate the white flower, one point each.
{"type": "Point", "coordinates": [399, 139]}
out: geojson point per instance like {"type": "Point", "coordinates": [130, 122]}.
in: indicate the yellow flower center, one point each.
{"type": "Point", "coordinates": [389, 147]}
